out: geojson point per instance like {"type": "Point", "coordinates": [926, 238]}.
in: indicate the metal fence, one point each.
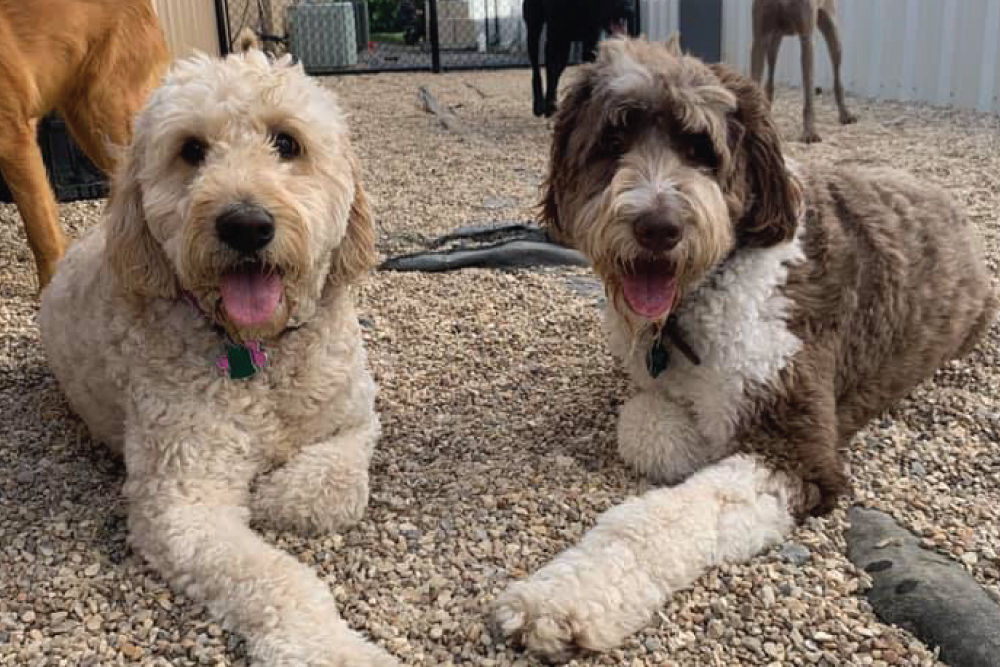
{"type": "Point", "coordinates": [380, 35]}
{"type": "Point", "coordinates": [944, 52]}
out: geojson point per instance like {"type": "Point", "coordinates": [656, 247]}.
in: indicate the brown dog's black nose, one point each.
{"type": "Point", "coordinates": [245, 227]}
{"type": "Point", "coordinates": [655, 232]}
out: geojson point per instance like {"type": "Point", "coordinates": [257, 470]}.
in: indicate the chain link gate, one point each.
{"type": "Point", "coordinates": [384, 35]}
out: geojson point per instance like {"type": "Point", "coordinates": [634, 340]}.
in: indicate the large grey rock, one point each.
{"type": "Point", "coordinates": [924, 592]}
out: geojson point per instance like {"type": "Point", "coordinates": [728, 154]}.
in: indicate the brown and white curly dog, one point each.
{"type": "Point", "coordinates": [764, 312]}
{"type": "Point", "coordinates": [206, 331]}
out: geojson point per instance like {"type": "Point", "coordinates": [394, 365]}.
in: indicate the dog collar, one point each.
{"type": "Point", "coordinates": [658, 356]}
{"type": "Point", "coordinates": [239, 360]}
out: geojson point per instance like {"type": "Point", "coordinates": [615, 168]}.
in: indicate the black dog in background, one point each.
{"type": "Point", "coordinates": [568, 21]}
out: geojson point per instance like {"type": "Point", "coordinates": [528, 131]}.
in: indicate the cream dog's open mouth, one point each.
{"type": "Point", "coordinates": [251, 293]}
{"type": "Point", "coordinates": [650, 288]}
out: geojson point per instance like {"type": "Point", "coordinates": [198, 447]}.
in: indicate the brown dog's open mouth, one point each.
{"type": "Point", "coordinates": [650, 288]}
{"type": "Point", "coordinates": [251, 294]}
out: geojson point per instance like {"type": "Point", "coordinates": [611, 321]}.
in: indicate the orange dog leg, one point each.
{"type": "Point", "coordinates": [24, 171]}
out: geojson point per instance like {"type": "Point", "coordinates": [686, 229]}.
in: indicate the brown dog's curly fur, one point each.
{"type": "Point", "coordinates": [891, 286]}
{"type": "Point", "coordinates": [764, 312]}
{"type": "Point", "coordinates": [93, 61]}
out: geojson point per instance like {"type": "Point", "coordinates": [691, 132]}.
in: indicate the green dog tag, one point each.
{"type": "Point", "coordinates": [240, 362]}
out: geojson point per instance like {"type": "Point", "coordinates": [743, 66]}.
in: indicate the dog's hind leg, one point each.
{"type": "Point", "coordinates": [765, 45]}
{"type": "Point", "coordinates": [322, 489]}
{"type": "Point", "coordinates": [757, 51]}
{"type": "Point", "coordinates": [827, 24]}
{"type": "Point", "coordinates": [809, 134]}
{"type": "Point", "coordinates": [556, 58]}
{"type": "Point", "coordinates": [23, 169]}
{"type": "Point", "coordinates": [609, 585]}
{"type": "Point", "coordinates": [772, 62]}
{"type": "Point", "coordinates": [534, 20]}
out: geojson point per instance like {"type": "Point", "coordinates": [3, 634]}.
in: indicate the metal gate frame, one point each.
{"type": "Point", "coordinates": [433, 37]}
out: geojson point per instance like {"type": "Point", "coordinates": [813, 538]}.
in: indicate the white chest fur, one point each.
{"type": "Point", "coordinates": [737, 324]}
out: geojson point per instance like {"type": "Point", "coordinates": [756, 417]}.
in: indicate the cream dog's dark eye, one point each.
{"type": "Point", "coordinates": [287, 146]}
{"type": "Point", "coordinates": [193, 152]}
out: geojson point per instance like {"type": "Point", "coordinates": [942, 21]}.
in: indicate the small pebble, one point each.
{"type": "Point", "coordinates": [795, 553]}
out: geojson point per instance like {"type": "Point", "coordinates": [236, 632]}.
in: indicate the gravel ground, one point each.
{"type": "Point", "coordinates": [498, 400]}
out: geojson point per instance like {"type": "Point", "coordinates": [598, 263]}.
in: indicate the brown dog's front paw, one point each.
{"type": "Point", "coordinates": [826, 487]}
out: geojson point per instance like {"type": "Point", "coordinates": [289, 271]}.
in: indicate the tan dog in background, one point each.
{"type": "Point", "coordinates": [93, 61]}
{"type": "Point", "coordinates": [775, 19]}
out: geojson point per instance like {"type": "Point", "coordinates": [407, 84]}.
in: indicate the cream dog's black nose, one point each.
{"type": "Point", "coordinates": [245, 227]}
{"type": "Point", "coordinates": [654, 231]}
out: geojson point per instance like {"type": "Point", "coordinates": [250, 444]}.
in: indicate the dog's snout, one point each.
{"type": "Point", "coordinates": [656, 232]}
{"type": "Point", "coordinates": [245, 227]}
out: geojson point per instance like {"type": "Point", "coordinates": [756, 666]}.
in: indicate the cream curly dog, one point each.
{"type": "Point", "coordinates": [764, 312]}
{"type": "Point", "coordinates": [206, 331]}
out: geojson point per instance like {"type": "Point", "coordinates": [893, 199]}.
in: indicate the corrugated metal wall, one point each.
{"type": "Point", "coordinates": [189, 25]}
{"type": "Point", "coordinates": [658, 19]}
{"type": "Point", "coordinates": [943, 52]}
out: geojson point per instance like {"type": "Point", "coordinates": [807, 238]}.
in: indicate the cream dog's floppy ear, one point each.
{"type": "Point", "coordinates": [134, 256]}
{"type": "Point", "coordinates": [356, 254]}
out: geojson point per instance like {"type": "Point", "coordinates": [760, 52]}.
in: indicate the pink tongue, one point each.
{"type": "Point", "coordinates": [650, 292]}
{"type": "Point", "coordinates": [250, 297]}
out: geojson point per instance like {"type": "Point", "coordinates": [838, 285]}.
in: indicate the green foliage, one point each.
{"type": "Point", "coordinates": [382, 15]}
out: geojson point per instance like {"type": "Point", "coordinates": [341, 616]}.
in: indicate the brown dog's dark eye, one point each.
{"type": "Point", "coordinates": [193, 152]}
{"type": "Point", "coordinates": [611, 143]}
{"type": "Point", "coordinates": [698, 149]}
{"type": "Point", "coordinates": [288, 147]}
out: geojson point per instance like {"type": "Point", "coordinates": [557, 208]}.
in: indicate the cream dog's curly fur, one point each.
{"type": "Point", "coordinates": [237, 213]}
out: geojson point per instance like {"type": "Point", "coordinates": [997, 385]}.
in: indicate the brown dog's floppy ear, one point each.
{"type": "Point", "coordinates": [757, 176]}
{"type": "Point", "coordinates": [566, 120]}
{"type": "Point", "coordinates": [134, 256]}
{"type": "Point", "coordinates": [356, 254]}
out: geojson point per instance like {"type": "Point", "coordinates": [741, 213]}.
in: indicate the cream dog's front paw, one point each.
{"type": "Point", "coordinates": [310, 501]}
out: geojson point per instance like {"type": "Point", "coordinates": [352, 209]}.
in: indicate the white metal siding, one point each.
{"type": "Point", "coordinates": [659, 18]}
{"type": "Point", "coordinates": [943, 52]}
{"type": "Point", "coordinates": [188, 25]}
